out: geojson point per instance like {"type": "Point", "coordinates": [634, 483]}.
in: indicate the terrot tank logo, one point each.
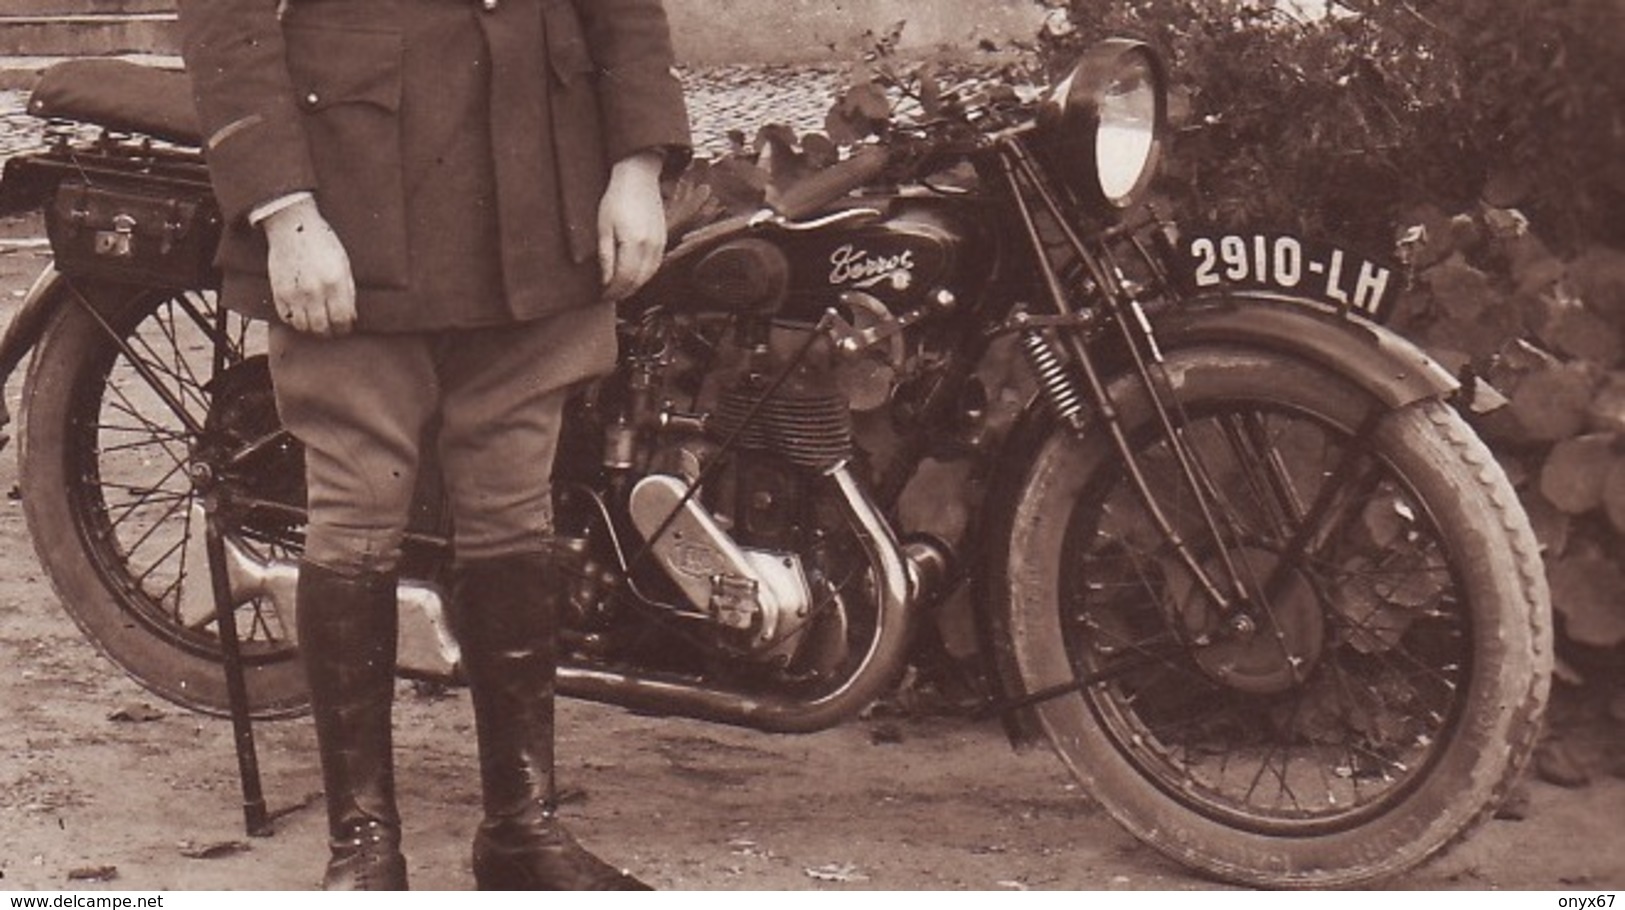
{"type": "Point", "coordinates": [858, 268]}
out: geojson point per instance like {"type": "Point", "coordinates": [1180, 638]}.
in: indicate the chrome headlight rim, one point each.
{"type": "Point", "coordinates": [1085, 107]}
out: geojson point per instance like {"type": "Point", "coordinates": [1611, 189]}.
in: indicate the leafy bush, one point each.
{"type": "Point", "coordinates": [1342, 123]}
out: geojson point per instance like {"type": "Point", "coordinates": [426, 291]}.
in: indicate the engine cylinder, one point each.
{"type": "Point", "coordinates": [808, 426]}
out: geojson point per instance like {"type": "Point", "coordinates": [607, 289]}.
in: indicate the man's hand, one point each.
{"type": "Point", "coordinates": [311, 282]}
{"type": "Point", "coordinates": [631, 225]}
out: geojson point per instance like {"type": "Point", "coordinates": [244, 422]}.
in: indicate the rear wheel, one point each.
{"type": "Point", "coordinates": [127, 389]}
{"type": "Point", "coordinates": [1379, 686]}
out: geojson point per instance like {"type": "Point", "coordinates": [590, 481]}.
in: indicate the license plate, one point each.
{"type": "Point", "coordinates": [1291, 265]}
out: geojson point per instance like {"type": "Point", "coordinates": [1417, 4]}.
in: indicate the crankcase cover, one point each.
{"type": "Point", "coordinates": [763, 594]}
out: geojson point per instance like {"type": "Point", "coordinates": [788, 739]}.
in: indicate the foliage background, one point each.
{"type": "Point", "coordinates": [1345, 120]}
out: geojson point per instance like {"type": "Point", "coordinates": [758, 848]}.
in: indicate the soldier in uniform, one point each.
{"type": "Point", "coordinates": [435, 203]}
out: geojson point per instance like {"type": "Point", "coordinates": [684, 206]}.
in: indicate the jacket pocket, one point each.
{"type": "Point", "coordinates": [578, 135]}
{"type": "Point", "coordinates": [348, 83]}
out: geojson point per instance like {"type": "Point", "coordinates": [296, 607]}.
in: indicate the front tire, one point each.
{"type": "Point", "coordinates": [1383, 697]}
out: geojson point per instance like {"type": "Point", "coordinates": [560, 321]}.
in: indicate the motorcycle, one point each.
{"type": "Point", "coordinates": [1222, 540]}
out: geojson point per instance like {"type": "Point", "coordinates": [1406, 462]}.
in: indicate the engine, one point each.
{"type": "Point", "coordinates": [737, 438]}
{"type": "Point", "coordinates": [737, 507]}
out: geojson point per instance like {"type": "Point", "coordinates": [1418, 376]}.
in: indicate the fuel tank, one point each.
{"type": "Point", "coordinates": [899, 250]}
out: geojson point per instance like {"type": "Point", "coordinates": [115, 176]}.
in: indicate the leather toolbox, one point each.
{"type": "Point", "coordinates": [135, 230]}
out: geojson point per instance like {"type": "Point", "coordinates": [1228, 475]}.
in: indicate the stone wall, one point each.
{"type": "Point", "coordinates": [801, 31]}
{"type": "Point", "coordinates": [707, 32]}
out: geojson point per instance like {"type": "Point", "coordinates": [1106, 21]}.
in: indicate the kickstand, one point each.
{"type": "Point", "coordinates": [255, 818]}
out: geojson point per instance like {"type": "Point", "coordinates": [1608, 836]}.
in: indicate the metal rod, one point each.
{"type": "Point", "coordinates": [255, 818]}
{"type": "Point", "coordinates": [1295, 549]}
{"type": "Point", "coordinates": [1189, 464]}
{"type": "Point", "coordinates": [996, 707]}
{"type": "Point", "coordinates": [1103, 400]}
{"type": "Point", "coordinates": [163, 392]}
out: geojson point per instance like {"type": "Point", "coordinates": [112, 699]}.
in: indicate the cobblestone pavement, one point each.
{"type": "Point", "coordinates": [18, 131]}
{"type": "Point", "coordinates": [720, 99]}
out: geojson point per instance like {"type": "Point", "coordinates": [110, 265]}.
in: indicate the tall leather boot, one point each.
{"type": "Point", "coordinates": [504, 612]}
{"type": "Point", "coordinates": [347, 627]}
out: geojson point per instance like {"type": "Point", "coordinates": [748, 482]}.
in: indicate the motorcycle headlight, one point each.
{"type": "Point", "coordinates": [1101, 130]}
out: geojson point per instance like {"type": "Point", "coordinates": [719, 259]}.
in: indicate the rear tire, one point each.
{"type": "Point", "coordinates": [104, 468]}
{"type": "Point", "coordinates": [1383, 703]}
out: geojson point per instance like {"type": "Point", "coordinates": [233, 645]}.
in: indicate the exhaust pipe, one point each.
{"type": "Point", "coordinates": [904, 578]}
{"type": "Point", "coordinates": [878, 671]}
{"type": "Point", "coordinates": [931, 569]}
{"type": "Point", "coordinates": [427, 648]}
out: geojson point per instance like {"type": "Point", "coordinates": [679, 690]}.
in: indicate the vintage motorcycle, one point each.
{"type": "Point", "coordinates": [1222, 540]}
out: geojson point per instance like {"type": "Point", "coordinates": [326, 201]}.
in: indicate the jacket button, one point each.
{"type": "Point", "coordinates": [312, 99]}
{"type": "Point", "coordinates": [490, 4]}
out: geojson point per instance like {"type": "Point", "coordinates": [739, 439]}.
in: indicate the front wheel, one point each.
{"type": "Point", "coordinates": [1374, 683]}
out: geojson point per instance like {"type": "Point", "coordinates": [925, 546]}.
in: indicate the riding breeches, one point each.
{"type": "Point", "coordinates": [363, 405]}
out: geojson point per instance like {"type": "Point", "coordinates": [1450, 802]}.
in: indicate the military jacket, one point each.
{"type": "Point", "coordinates": [458, 147]}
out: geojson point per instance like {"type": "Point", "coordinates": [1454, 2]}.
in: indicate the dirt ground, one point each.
{"type": "Point", "coordinates": [104, 786]}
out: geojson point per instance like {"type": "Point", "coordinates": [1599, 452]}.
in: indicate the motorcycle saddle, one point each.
{"type": "Point", "coordinates": [119, 95]}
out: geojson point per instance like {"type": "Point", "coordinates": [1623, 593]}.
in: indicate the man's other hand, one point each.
{"type": "Point", "coordinates": [631, 225]}
{"type": "Point", "coordinates": [311, 282]}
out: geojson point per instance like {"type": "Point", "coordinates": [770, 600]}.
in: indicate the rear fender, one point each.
{"type": "Point", "coordinates": [26, 185]}
{"type": "Point", "coordinates": [24, 330]}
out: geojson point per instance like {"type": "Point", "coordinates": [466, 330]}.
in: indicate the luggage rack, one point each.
{"type": "Point", "coordinates": [31, 177]}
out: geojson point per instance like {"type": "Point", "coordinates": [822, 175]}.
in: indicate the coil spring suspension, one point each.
{"type": "Point", "coordinates": [1059, 385]}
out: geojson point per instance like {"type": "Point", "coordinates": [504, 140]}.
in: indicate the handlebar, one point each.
{"type": "Point", "coordinates": [808, 196]}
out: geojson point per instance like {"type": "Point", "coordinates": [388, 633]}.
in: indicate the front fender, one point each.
{"type": "Point", "coordinates": [1391, 368]}
{"type": "Point", "coordinates": [25, 329]}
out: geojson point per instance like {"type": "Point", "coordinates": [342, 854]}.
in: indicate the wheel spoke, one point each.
{"type": "Point", "coordinates": [175, 506]}
{"type": "Point", "coordinates": [124, 405]}
{"type": "Point", "coordinates": [147, 494]}
{"type": "Point", "coordinates": [136, 445]}
{"type": "Point", "coordinates": [1290, 492]}
{"type": "Point", "coordinates": [132, 438]}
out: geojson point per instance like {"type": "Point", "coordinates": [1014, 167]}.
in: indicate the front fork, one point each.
{"type": "Point", "coordinates": [1051, 339]}
{"type": "Point", "coordinates": [1023, 179]}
